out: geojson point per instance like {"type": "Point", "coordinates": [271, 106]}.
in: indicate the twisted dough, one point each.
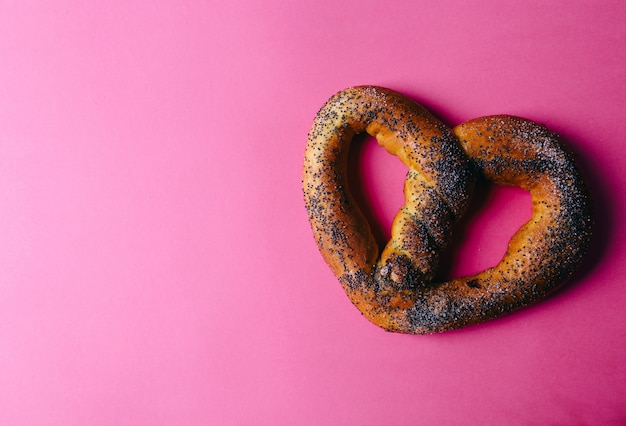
{"type": "Point", "coordinates": [394, 287]}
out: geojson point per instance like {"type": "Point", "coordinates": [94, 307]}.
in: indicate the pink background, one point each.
{"type": "Point", "coordinates": [157, 265]}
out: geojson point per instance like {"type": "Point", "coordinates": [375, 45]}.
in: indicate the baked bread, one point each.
{"type": "Point", "coordinates": [394, 286]}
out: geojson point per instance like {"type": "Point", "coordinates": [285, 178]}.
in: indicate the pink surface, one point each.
{"type": "Point", "coordinates": [157, 265]}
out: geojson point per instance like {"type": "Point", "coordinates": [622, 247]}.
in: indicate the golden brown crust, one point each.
{"type": "Point", "coordinates": [394, 288]}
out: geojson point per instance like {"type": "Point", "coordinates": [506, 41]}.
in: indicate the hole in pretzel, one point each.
{"type": "Point", "coordinates": [376, 181]}
{"type": "Point", "coordinates": [480, 239]}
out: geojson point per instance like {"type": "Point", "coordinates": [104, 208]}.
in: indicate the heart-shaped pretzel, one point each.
{"type": "Point", "coordinates": [394, 287]}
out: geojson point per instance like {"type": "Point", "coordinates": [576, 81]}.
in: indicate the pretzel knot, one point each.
{"type": "Point", "coordinates": [394, 287]}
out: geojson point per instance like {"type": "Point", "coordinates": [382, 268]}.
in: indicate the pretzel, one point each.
{"type": "Point", "coordinates": [395, 287]}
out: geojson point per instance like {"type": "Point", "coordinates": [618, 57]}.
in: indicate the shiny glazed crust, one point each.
{"type": "Point", "coordinates": [394, 287]}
